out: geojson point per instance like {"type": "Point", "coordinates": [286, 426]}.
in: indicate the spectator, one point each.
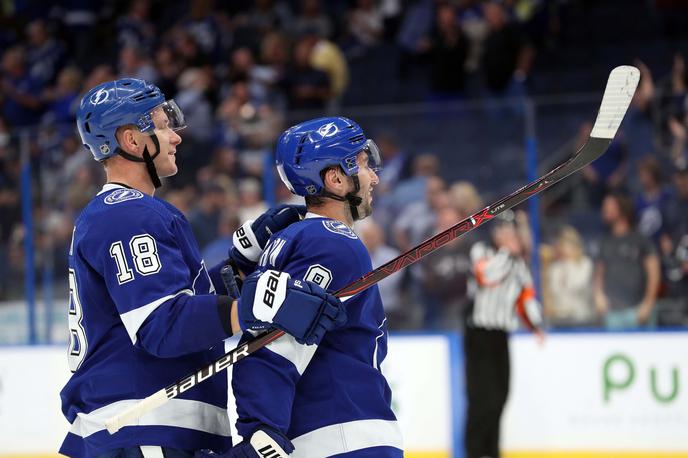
{"type": "Point", "coordinates": [674, 248]}
{"type": "Point", "coordinates": [204, 25]}
{"type": "Point", "coordinates": [98, 75]}
{"type": "Point", "coordinates": [399, 314]}
{"type": "Point", "coordinates": [465, 199]}
{"type": "Point", "coordinates": [651, 199]}
{"type": "Point", "coordinates": [216, 251]}
{"type": "Point", "coordinates": [507, 55]}
{"type": "Point", "coordinates": [205, 217]}
{"type": "Point", "coordinates": [268, 15]}
{"type": "Point", "coordinates": [307, 87]}
{"type": "Point", "coordinates": [243, 68]}
{"type": "Point", "coordinates": [194, 85]}
{"type": "Point", "coordinates": [627, 271]}
{"type": "Point", "coordinates": [135, 28]}
{"type": "Point", "coordinates": [473, 23]}
{"type": "Point", "coordinates": [45, 55]}
{"type": "Point", "coordinates": [134, 63]}
{"type": "Point", "coordinates": [448, 55]}
{"type": "Point", "coordinates": [274, 52]}
{"type": "Point", "coordinates": [445, 273]}
{"type": "Point", "coordinates": [397, 167]}
{"type": "Point", "coordinates": [606, 174]}
{"type": "Point", "coordinates": [327, 57]}
{"type": "Point", "coordinates": [365, 24]}
{"type": "Point", "coordinates": [677, 116]}
{"type": "Point", "coordinates": [413, 189]}
{"type": "Point", "coordinates": [245, 121]}
{"type": "Point", "coordinates": [414, 33]}
{"type": "Point", "coordinates": [251, 203]}
{"type": "Point", "coordinates": [168, 66]}
{"type": "Point", "coordinates": [311, 18]}
{"type": "Point", "coordinates": [21, 104]}
{"type": "Point", "coordinates": [414, 221]}
{"type": "Point", "coordinates": [397, 162]}
{"type": "Point", "coordinates": [80, 190]}
{"type": "Point", "coordinates": [63, 98]}
{"type": "Point", "coordinates": [568, 298]}
{"type": "Point", "coordinates": [189, 51]}
{"type": "Point", "coordinates": [224, 163]}
{"type": "Point", "coordinates": [676, 210]}
{"type": "Point", "coordinates": [79, 20]}
{"type": "Point", "coordinates": [72, 160]}
{"type": "Point", "coordinates": [9, 204]}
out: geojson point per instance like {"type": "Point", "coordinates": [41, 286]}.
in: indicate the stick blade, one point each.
{"type": "Point", "coordinates": [621, 86]}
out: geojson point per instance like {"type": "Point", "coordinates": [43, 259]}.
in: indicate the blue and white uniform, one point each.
{"type": "Point", "coordinates": [329, 399]}
{"type": "Point", "coordinates": [142, 315]}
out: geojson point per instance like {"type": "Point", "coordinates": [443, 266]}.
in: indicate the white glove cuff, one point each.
{"type": "Point", "coordinates": [265, 445]}
{"type": "Point", "coordinates": [271, 290]}
{"type": "Point", "coordinates": [244, 240]}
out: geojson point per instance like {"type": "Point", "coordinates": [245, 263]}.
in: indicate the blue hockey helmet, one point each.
{"type": "Point", "coordinates": [118, 103]}
{"type": "Point", "coordinates": [306, 149]}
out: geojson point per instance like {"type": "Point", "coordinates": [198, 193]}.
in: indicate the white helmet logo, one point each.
{"type": "Point", "coordinates": [99, 97]}
{"type": "Point", "coordinates": [328, 130]}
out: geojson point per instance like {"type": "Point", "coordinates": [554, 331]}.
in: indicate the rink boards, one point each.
{"type": "Point", "coordinates": [580, 395]}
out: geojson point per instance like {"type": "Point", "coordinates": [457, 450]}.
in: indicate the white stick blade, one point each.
{"type": "Point", "coordinates": [617, 97]}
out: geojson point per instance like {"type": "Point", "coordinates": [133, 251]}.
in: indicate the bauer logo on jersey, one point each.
{"type": "Point", "coordinates": [339, 228]}
{"type": "Point", "coordinates": [122, 195]}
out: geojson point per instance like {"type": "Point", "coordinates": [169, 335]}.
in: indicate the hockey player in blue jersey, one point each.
{"type": "Point", "coordinates": [143, 309]}
{"type": "Point", "coordinates": [330, 399]}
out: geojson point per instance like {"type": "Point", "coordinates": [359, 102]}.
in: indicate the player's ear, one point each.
{"type": "Point", "coordinates": [333, 178]}
{"type": "Point", "coordinates": [128, 139]}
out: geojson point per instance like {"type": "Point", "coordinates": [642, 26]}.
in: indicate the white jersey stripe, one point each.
{"type": "Point", "coordinates": [180, 413]}
{"type": "Point", "coordinates": [299, 355]}
{"type": "Point", "coordinates": [133, 319]}
{"type": "Point", "coordinates": [347, 437]}
{"type": "Point", "coordinates": [151, 451]}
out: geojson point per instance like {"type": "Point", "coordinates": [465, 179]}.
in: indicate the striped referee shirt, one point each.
{"type": "Point", "coordinates": [503, 288]}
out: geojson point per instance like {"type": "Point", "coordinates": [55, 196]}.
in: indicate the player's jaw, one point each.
{"type": "Point", "coordinates": [365, 209]}
{"type": "Point", "coordinates": [166, 161]}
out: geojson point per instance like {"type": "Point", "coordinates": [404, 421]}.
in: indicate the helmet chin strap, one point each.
{"type": "Point", "coordinates": [147, 159]}
{"type": "Point", "coordinates": [350, 197]}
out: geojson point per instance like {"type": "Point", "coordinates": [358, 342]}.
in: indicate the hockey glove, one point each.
{"type": "Point", "coordinates": [300, 308]}
{"type": "Point", "coordinates": [264, 442]}
{"type": "Point", "coordinates": [249, 240]}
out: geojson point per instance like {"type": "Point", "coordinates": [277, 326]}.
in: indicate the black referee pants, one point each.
{"type": "Point", "coordinates": [487, 385]}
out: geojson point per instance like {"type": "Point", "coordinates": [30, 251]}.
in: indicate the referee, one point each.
{"type": "Point", "coordinates": [503, 288]}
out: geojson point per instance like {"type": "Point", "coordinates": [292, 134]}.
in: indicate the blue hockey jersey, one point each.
{"type": "Point", "coordinates": [142, 315]}
{"type": "Point", "coordinates": [331, 398]}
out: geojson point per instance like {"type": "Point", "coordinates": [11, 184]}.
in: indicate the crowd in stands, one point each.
{"type": "Point", "coordinates": [242, 71]}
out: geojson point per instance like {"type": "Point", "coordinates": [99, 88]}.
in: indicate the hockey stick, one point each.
{"type": "Point", "coordinates": [617, 96]}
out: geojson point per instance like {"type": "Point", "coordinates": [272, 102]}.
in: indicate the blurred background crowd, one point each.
{"type": "Point", "coordinates": [448, 89]}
